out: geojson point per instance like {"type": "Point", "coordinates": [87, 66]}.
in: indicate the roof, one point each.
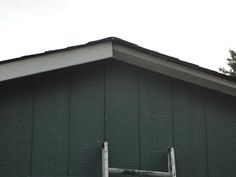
{"type": "Point", "coordinates": [119, 49]}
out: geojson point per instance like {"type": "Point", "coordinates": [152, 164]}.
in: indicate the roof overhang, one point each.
{"type": "Point", "coordinates": [54, 60]}
{"type": "Point", "coordinates": [109, 48]}
{"type": "Point", "coordinates": [174, 70]}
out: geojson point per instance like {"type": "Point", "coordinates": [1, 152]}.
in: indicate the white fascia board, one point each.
{"type": "Point", "coordinates": [85, 54]}
{"type": "Point", "coordinates": [57, 60]}
{"type": "Point", "coordinates": [174, 70]}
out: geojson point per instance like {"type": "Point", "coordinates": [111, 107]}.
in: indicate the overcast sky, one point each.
{"type": "Point", "coordinates": [199, 31]}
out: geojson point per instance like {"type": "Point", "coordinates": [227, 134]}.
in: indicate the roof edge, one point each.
{"type": "Point", "coordinates": [175, 70]}
{"type": "Point", "coordinates": [119, 49]}
{"type": "Point", "coordinates": [52, 60]}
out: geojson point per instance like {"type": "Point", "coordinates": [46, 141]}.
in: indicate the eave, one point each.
{"type": "Point", "coordinates": [121, 50]}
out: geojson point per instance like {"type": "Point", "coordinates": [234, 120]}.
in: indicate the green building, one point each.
{"type": "Point", "coordinates": [58, 107]}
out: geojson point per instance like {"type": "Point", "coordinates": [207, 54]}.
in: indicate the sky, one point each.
{"type": "Point", "coordinates": [197, 31]}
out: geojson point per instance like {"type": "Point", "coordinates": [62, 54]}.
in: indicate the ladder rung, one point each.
{"type": "Point", "coordinates": [139, 172]}
{"type": "Point", "coordinates": [106, 170]}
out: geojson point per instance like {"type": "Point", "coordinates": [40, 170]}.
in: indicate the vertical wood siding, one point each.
{"type": "Point", "coordinates": [50, 124]}
{"type": "Point", "coordinates": [189, 130]}
{"type": "Point", "coordinates": [122, 127]}
{"type": "Point", "coordinates": [221, 133]}
{"type": "Point", "coordinates": [53, 124]}
{"type": "Point", "coordinates": [16, 105]}
{"type": "Point", "coordinates": [86, 120]}
{"type": "Point", "coordinates": [155, 120]}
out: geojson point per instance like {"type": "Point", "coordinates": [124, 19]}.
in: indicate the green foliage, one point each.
{"type": "Point", "coordinates": [231, 63]}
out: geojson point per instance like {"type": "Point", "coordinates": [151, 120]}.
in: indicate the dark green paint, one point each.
{"type": "Point", "coordinates": [122, 126]}
{"type": "Point", "coordinates": [53, 124]}
{"type": "Point", "coordinates": [189, 130]}
{"type": "Point", "coordinates": [50, 124]}
{"type": "Point", "coordinates": [16, 100]}
{"type": "Point", "coordinates": [86, 120]}
{"type": "Point", "coordinates": [221, 133]}
{"type": "Point", "coordinates": [155, 120]}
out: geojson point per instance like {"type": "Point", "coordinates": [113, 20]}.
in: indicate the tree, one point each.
{"type": "Point", "coordinates": [231, 63]}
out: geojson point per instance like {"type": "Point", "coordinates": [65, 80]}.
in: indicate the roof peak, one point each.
{"type": "Point", "coordinates": [113, 47]}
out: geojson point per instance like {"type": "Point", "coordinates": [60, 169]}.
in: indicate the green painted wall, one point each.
{"type": "Point", "coordinates": [53, 124]}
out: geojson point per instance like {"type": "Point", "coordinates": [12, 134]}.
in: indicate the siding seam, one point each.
{"type": "Point", "coordinates": [34, 80]}
{"type": "Point", "coordinates": [104, 99]}
{"type": "Point", "coordinates": [206, 132]}
{"type": "Point", "coordinates": [69, 121]}
{"type": "Point", "coordinates": [172, 112]}
{"type": "Point", "coordinates": [139, 118]}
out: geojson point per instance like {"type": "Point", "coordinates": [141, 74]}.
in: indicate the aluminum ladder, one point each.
{"type": "Point", "coordinates": [106, 170]}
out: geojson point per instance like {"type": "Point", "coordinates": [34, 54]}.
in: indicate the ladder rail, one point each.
{"type": "Point", "coordinates": [171, 154]}
{"type": "Point", "coordinates": [105, 162]}
{"type": "Point", "coordinates": [106, 170]}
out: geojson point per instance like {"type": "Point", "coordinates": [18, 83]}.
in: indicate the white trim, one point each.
{"type": "Point", "coordinates": [174, 70]}
{"type": "Point", "coordinates": [111, 49]}
{"type": "Point", "coordinates": [57, 60]}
